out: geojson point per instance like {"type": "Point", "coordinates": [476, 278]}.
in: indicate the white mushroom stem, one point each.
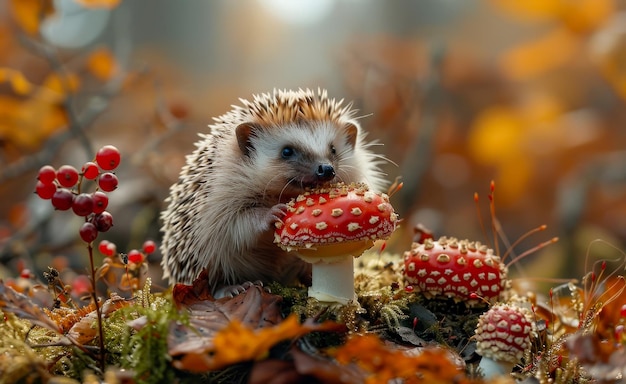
{"type": "Point", "coordinates": [491, 368]}
{"type": "Point", "coordinates": [333, 281]}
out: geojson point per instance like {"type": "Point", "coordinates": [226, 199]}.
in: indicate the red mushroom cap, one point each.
{"type": "Point", "coordinates": [335, 222]}
{"type": "Point", "coordinates": [504, 333]}
{"type": "Point", "coordinates": [455, 269]}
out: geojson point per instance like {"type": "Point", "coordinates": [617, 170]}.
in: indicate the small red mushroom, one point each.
{"type": "Point", "coordinates": [329, 227]}
{"type": "Point", "coordinates": [503, 335]}
{"type": "Point", "coordinates": [459, 269]}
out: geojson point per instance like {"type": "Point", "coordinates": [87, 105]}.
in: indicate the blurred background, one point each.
{"type": "Point", "coordinates": [528, 93]}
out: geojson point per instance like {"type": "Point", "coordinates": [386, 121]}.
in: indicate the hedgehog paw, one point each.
{"type": "Point", "coordinates": [277, 212]}
{"type": "Point", "coordinates": [236, 289]}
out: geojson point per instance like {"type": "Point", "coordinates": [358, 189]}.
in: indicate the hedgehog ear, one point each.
{"type": "Point", "coordinates": [352, 131]}
{"type": "Point", "coordinates": [244, 133]}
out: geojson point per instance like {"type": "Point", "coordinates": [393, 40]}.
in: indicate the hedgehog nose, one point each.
{"type": "Point", "coordinates": [325, 172]}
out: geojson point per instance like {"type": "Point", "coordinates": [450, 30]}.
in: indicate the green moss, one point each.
{"type": "Point", "coordinates": [144, 349]}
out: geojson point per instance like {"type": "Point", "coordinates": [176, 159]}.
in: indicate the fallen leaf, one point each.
{"type": "Point", "coordinates": [536, 57]}
{"type": "Point", "coordinates": [237, 343]}
{"type": "Point", "coordinates": [29, 13]}
{"type": "Point", "coordinates": [383, 364]}
{"type": "Point", "coordinates": [102, 64]}
{"type": "Point", "coordinates": [106, 4]}
{"type": "Point", "coordinates": [198, 291]}
{"type": "Point", "coordinates": [23, 307]}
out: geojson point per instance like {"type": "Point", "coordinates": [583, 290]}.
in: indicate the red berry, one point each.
{"type": "Point", "coordinates": [107, 182]}
{"type": "Point", "coordinates": [100, 201]}
{"type": "Point", "coordinates": [149, 247]}
{"type": "Point", "coordinates": [81, 285]}
{"type": "Point", "coordinates": [90, 170]}
{"type": "Point", "coordinates": [26, 273]}
{"type": "Point", "coordinates": [108, 157]}
{"type": "Point", "coordinates": [47, 174]}
{"type": "Point", "coordinates": [45, 191]}
{"type": "Point", "coordinates": [107, 248]}
{"type": "Point", "coordinates": [103, 246]}
{"type": "Point", "coordinates": [62, 199]}
{"type": "Point", "coordinates": [135, 256]}
{"type": "Point", "coordinates": [88, 232]}
{"type": "Point", "coordinates": [622, 311]}
{"type": "Point", "coordinates": [83, 204]}
{"type": "Point", "coordinates": [103, 221]}
{"type": "Point", "coordinates": [67, 176]}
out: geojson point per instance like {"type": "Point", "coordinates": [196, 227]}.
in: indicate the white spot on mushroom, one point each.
{"type": "Point", "coordinates": [356, 211]}
{"type": "Point", "coordinates": [310, 202]}
{"type": "Point", "coordinates": [374, 219]}
{"type": "Point", "coordinates": [321, 225]}
{"type": "Point", "coordinates": [293, 226]}
{"type": "Point", "coordinates": [300, 209]}
{"type": "Point", "coordinates": [336, 212]}
{"type": "Point", "coordinates": [316, 212]}
{"type": "Point", "coordinates": [353, 227]}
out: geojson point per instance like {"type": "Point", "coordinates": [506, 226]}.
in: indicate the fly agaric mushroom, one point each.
{"type": "Point", "coordinates": [503, 335]}
{"type": "Point", "coordinates": [459, 269]}
{"type": "Point", "coordinates": [328, 228]}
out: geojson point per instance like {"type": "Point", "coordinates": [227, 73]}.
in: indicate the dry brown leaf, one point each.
{"type": "Point", "coordinates": [23, 307]}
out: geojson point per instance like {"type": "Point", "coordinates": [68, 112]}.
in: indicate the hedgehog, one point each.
{"type": "Point", "coordinates": [235, 184]}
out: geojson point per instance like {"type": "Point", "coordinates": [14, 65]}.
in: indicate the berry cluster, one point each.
{"type": "Point", "coordinates": [135, 256]}
{"type": "Point", "coordinates": [123, 272]}
{"type": "Point", "coordinates": [63, 187]}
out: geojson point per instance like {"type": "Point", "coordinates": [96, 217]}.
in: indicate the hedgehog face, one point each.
{"type": "Point", "coordinates": [302, 155]}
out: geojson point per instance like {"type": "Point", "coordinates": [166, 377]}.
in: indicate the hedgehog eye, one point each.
{"type": "Point", "coordinates": [333, 150]}
{"type": "Point", "coordinates": [287, 152]}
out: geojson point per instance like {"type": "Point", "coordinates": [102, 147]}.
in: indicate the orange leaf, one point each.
{"type": "Point", "coordinates": [586, 15]}
{"type": "Point", "coordinates": [430, 365]}
{"type": "Point", "coordinates": [102, 64]}
{"type": "Point", "coordinates": [19, 83]}
{"type": "Point", "coordinates": [536, 57]}
{"type": "Point", "coordinates": [530, 9]}
{"type": "Point", "coordinates": [107, 4]}
{"type": "Point", "coordinates": [496, 134]}
{"type": "Point", "coordinates": [237, 343]}
{"type": "Point", "coordinates": [62, 84]}
{"type": "Point", "coordinates": [29, 13]}
{"type": "Point", "coordinates": [27, 123]}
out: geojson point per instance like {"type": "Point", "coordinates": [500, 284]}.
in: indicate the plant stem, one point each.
{"type": "Point", "coordinates": [98, 312]}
